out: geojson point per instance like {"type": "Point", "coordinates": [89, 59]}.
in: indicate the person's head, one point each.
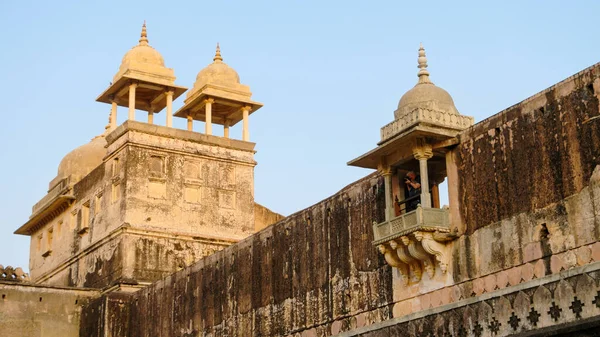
{"type": "Point", "coordinates": [411, 175]}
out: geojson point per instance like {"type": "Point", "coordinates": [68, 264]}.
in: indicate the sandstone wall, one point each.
{"type": "Point", "coordinates": [529, 199]}
{"type": "Point", "coordinates": [28, 310]}
{"type": "Point", "coordinates": [314, 269]}
{"type": "Point", "coordinates": [533, 154]}
{"type": "Point", "coordinates": [264, 217]}
{"type": "Point", "coordinates": [527, 188]}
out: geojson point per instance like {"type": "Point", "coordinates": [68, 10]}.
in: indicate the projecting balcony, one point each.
{"type": "Point", "coordinates": [416, 241]}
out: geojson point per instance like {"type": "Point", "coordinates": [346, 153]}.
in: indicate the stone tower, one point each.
{"type": "Point", "coordinates": [142, 200]}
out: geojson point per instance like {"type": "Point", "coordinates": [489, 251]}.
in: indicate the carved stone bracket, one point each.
{"type": "Point", "coordinates": [417, 251]}
{"type": "Point", "coordinates": [440, 250]}
{"type": "Point", "coordinates": [393, 260]}
{"type": "Point", "coordinates": [414, 266]}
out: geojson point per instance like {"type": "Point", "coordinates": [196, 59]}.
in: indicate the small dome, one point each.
{"type": "Point", "coordinates": [143, 52]}
{"type": "Point", "coordinates": [81, 161]}
{"type": "Point", "coordinates": [428, 96]}
{"type": "Point", "coordinates": [218, 73]}
{"type": "Point", "coordinates": [425, 94]}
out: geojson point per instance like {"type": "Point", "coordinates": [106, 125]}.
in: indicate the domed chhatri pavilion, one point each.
{"type": "Point", "coordinates": [149, 230]}
{"type": "Point", "coordinates": [218, 97]}
{"type": "Point", "coordinates": [425, 127]}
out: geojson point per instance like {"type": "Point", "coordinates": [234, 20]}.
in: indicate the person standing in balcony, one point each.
{"type": "Point", "coordinates": [413, 185]}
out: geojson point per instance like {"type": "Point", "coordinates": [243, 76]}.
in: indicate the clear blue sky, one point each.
{"type": "Point", "coordinates": [330, 74]}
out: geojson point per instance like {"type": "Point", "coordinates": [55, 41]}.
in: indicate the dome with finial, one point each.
{"type": "Point", "coordinates": [425, 94]}
{"type": "Point", "coordinates": [81, 161]}
{"type": "Point", "coordinates": [218, 73]}
{"type": "Point", "coordinates": [142, 53]}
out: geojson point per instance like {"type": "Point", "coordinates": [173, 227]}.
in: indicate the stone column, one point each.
{"type": "Point", "coordinates": [386, 172]}
{"type": "Point", "coordinates": [453, 193]}
{"type": "Point", "coordinates": [113, 113]}
{"type": "Point", "coordinates": [169, 108]}
{"type": "Point", "coordinates": [150, 116]}
{"type": "Point", "coordinates": [387, 178]}
{"type": "Point", "coordinates": [208, 111]}
{"type": "Point", "coordinates": [245, 131]}
{"type": "Point", "coordinates": [190, 123]}
{"type": "Point", "coordinates": [422, 152]}
{"type": "Point", "coordinates": [435, 195]}
{"type": "Point", "coordinates": [226, 128]}
{"type": "Point", "coordinates": [132, 88]}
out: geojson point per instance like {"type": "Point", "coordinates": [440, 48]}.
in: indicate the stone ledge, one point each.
{"type": "Point", "coordinates": [168, 132]}
{"type": "Point", "coordinates": [579, 271]}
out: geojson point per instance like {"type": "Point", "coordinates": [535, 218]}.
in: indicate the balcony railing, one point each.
{"type": "Point", "coordinates": [421, 219]}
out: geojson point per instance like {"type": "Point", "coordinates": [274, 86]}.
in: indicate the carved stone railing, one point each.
{"type": "Point", "coordinates": [11, 274]}
{"type": "Point", "coordinates": [57, 190]}
{"type": "Point", "coordinates": [416, 241]}
{"type": "Point", "coordinates": [426, 116]}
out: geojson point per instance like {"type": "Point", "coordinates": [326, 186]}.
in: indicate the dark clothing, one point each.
{"type": "Point", "coordinates": [411, 192]}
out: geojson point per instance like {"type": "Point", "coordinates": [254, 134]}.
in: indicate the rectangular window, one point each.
{"type": "Point", "coordinates": [116, 192]}
{"type": "Point", "coordinates": [98, 204]}
{"type": "Point", "coordinates": [59, 225]}
{"type": "Point", "coordinates": [116, 167]}
{"type": "Point", "coordinates": [85, 216]}
{"type": "Point", "coordinates": [49, 238]}
{"type": "Point", "coordinates": [157, 166]}
{"type": "Point", "coordinates": [73, 220]}
{"type": "Point", "coordinates": [39, 242]}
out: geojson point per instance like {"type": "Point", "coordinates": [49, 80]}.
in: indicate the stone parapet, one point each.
{"type": "Point", "coordinates": [11, 274]}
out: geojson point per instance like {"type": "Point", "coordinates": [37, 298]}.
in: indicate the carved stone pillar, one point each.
{"type": "Point", "coordinates": [150, 116]}
{"type": "Point", "coordinates": [208, 122]}
{"type": "Point", "coordinates": [453, 197]}
{"type": "Point", "coordinates": [245, 128]}
{"type": "Point", "coordinates": [435, 195]}
{"type": "Point", "coordinates": [132, 88]}
{"type": "Point", "coordinates": [190, 123]}
{"type": "Point", "coordinates": [169, 108]}
{"type": "Point", "coordinates": [113, 113]}
{"type": "Point", "coordinates": [386, 172]}
{"type": "Point", "coordinates": [226, 128]}
{"type": "Point", "coordinates": [422, 151]}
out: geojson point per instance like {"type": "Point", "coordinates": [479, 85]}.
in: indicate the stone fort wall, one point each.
{"type": "Point", "coordinates": [305, 273]}
{"type": "Point", "coordinates": [529, 206]}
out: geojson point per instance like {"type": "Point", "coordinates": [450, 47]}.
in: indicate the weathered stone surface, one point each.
{"type": "Point", "coordinates": [564, 313]}
{"type": "Point", "coordinates": [171, 211]}
{"type": "Point", "coordinates": [291, 276]}
{"type": "Point", "coordinates": [31, 310]}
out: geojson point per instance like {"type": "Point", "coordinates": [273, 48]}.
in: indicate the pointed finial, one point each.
{"type": "Point", "coordinates": [423, 72]}
{"type": "Point", "coordinates": [144, 35]}
{"type": "Point", "coordinates": [218, 54]}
